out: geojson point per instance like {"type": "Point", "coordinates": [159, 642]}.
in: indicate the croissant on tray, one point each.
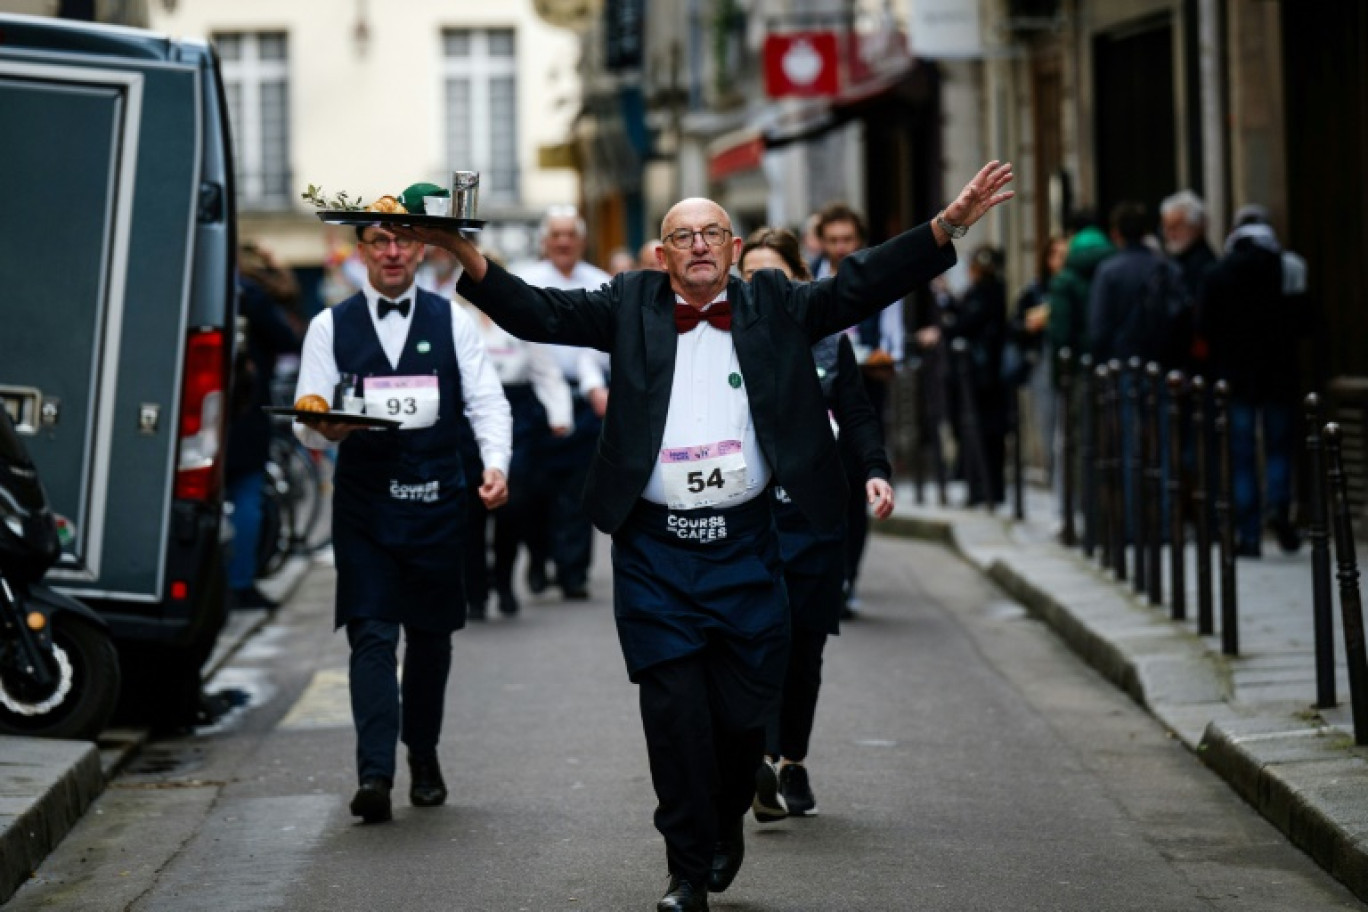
{"type": "Point", "coordinates": [386, 204]}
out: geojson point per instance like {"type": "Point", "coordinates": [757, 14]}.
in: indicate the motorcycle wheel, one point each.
{"type": "Point", "coordinates": [89, 667]}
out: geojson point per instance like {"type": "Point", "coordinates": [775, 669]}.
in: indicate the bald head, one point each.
{"type": "Point", "coordinates": [699, 248]}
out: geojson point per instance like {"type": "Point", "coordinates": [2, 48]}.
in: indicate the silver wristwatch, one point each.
{"type": "Point", "coordinates": [955, 231]}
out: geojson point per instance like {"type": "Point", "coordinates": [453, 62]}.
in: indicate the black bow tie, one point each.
{"type": "Point", "coordinates": [384, 307]}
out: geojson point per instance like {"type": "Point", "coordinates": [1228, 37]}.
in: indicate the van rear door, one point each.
{"type": "Point", "coordinates": [100, 171]}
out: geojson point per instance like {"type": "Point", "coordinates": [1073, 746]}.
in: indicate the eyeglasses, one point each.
{"type": "Point", "coordinates": [714, 235]}
{"type": "Point", "coordinates": [380, 243]}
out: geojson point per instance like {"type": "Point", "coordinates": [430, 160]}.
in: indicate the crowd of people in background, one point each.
{"type": "Point", "coordinates": [1139, 284]}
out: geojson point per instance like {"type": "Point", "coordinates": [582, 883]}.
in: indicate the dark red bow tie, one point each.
{"type": "Point", "coordinates": [719, 315]}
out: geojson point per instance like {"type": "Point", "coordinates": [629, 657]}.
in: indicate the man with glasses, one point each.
{"type": "Point", "coordinates": [561, 531]}
{"type": "Point", "coordinates": [712, 398]}
{"type": "Point", "coordinates": [399, 502]}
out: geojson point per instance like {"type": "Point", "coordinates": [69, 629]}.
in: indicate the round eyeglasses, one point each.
{"type": "Point", "coordinates": [380, 243]}
{"type": "Point", "coordinates": [683, 239]}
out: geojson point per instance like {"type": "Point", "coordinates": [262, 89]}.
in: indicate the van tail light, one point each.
{"type": "Point", "coordinates": [199, 467]}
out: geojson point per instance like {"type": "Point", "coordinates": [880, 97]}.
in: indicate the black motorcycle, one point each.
{"type": "Point", "coordinates": [59, 671]}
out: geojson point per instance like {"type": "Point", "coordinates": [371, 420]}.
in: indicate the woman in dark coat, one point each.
{"type": "Point", "coordinates": [814, 564]}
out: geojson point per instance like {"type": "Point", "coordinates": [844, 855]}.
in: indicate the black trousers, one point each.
{"type": "Point", "coordinates": [788, 735]}
{"type": "Point", "coordinates": [381, 717]}
{"type": "Point", "coordinates": [703, 757]}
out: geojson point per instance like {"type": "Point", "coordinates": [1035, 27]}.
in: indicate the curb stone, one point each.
{"type": "Point", "coordinates": [46, 787]}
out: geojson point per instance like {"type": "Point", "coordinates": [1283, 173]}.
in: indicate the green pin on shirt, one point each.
{"type": "Point", "coordinates": [424, 348]}
{"type": "Point", "coordinates": [734, 379]}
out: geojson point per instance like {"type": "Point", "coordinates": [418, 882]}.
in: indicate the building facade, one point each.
{"type": "Point", "coordinates": [353, 97]}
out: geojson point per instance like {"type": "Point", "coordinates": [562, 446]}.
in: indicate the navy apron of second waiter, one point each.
{"type": "Point", "coordinates": [399, 495]}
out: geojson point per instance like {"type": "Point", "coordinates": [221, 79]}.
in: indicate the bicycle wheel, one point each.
{"type": "Point", "coordinates": [305, 490]}
{"type": "Point", "coordinates": [277, 521]}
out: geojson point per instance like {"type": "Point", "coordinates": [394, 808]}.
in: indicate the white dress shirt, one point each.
{"type": "Point", "coordinates": [705, 408]}
{"type": "Point", "coordinates": [584, 368]}
{"type": "Point", "coordinates": [484, 404]}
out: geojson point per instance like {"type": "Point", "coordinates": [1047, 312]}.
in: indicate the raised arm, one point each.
{"type": "Point", "coordinates": [981, 194]}
{"type": "Point", "coordinates": [870, 278]}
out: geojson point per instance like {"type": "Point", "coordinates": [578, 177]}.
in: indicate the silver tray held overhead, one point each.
{"type": "Point", "coordinates": [406, 219]}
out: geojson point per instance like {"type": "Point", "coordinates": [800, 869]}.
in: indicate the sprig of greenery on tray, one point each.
{"type": "Point", "coordinates": [315, 196]}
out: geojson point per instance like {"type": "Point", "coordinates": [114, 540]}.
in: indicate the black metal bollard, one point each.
{"type": "Point", "coordinates": [1018, 482]}
{"type": "Point", "coordinates": [1087, 470]}
{"type": "Point", "coordinates": [1101, 429]}
{"type": "Point", "coordinates": [1153, 510]}
{"type": "Point", "coordinates": [1225, 519]}
{"type": "Point", "coordinates": [1318, 531]}
{"type": "Point", "coordinates": [1177, 545]}
{"type": "Point", "coordinates": [1201, 508]}
{"type": "Point", "coordinates": [1116, 446]}
{"type": "Point", "coordinates": [971, 438]}
{"type": "Point", "coordinates": [1068, 535]}
{"type": "Point", "coordinates": [1351, 607]}
{"type": "Point", "coordinates": [1135, 466]}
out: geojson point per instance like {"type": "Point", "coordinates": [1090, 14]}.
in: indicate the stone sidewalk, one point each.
{"type": "Point", "coordinates": [46, 785]}
{"type": "Point", "coordinates": [1251, 718]}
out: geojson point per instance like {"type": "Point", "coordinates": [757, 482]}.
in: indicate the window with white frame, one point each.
{"type": "Point", "coordinates": [256, 80]}
{"type": "Point", "coordinates": [480, 74]}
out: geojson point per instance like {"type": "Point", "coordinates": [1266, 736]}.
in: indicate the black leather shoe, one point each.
{"type": "Point", "coordinates": [372, 801]}
{"type": "Point", "coordinates": [683, 896]}
{"type": "Point", "coordinates": [508, 602]}
{"type": "Point", "coordinates": [727, 857]}
{"type": "Point", "coordinates": [427, 788]}
{"type": "Point", "coordinates": [575, 592]}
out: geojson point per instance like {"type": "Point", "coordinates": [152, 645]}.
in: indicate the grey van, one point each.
{"type": "Point", "coordinates": [116, 317]}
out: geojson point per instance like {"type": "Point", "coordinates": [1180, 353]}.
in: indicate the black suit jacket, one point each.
{"type": "Point", "coordinates": [774, 325]}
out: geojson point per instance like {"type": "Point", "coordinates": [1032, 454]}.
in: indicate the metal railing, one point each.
{"type": "Point", "coordinates": [1146, 463]}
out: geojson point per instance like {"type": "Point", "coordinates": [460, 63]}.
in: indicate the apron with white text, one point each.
{"type": "Point", "coordinates": [399, 495]}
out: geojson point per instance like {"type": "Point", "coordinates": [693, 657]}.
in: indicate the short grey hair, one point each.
{"type": "Point", "coordinates": [1188, 203]}
{"type": "Point", "coordinates": [560, 212]}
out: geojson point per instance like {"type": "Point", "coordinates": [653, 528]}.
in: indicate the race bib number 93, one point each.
{"type": "Point", "coordinates": [415, 401]}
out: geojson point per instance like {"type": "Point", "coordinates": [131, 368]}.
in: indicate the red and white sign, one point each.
{"type": "Point", "coordinates": [802, 64]}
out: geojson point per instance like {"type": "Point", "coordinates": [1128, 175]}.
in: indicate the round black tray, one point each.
{"type": "Point", "coordinates": [368, 421]}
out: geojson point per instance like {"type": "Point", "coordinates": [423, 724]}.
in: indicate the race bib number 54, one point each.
{"type": "Point", "coordinates": [703, 476]}
{"type": "Point", "coordinates": [413, 400]}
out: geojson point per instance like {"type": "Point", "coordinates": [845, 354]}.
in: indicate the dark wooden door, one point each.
{"type": "Point", "coordinates": [1135, 115]}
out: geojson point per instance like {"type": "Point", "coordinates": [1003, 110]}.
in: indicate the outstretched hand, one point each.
{"type": "Point", "coordinates": [981, 194]}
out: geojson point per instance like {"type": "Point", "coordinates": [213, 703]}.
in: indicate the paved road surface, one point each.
{"type": "Point", "coordinates": [964, 760]}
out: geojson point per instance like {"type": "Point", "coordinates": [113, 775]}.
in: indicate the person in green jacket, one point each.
{"type": "Point", "coordinates": [1068, 321]}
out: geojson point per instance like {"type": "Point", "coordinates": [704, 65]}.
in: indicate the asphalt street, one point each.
{"type": "Point", "coordinates": [964, 759]}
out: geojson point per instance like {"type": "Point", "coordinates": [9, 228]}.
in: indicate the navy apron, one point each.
{"type": "Point", "coordinates": [814, 562]}
{"type": "Point", "coordinates": [399, 496]}
{"type": "Point", "coordinates": [686, 580]}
